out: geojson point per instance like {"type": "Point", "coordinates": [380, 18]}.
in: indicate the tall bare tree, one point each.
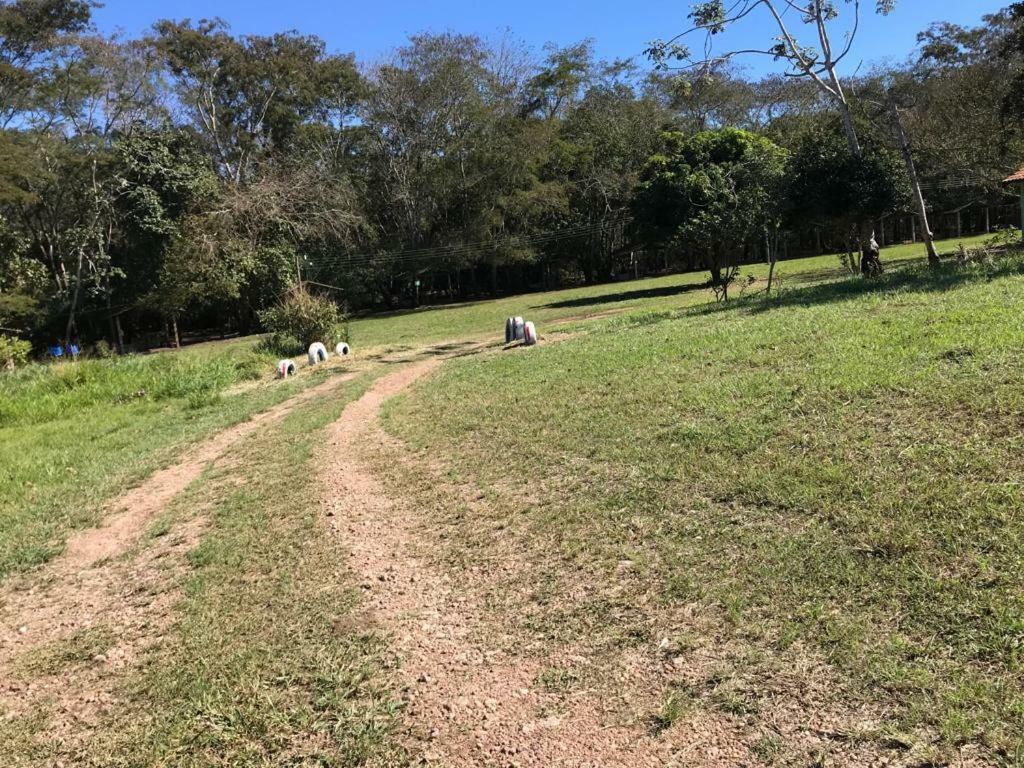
{"type": "Point", "coordinates": [818, 61]}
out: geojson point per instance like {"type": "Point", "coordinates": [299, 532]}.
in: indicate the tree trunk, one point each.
{"type": "Point", "coordinates": [119, 334]}
{"type": "Point", "coordinates": [851, 130]}
{"type": "Point", "coordinates": [74, 301]}
{"type": "Point", "coordinates": [770, 253]}
{"type": "Point", "coordinates": [915, 182]}
{"type": "Point", "coordinates": [716, 275]}
{"type": "Point", "coordinates": [113, 332]}
{"type": "Point", "coordinates": [177, 335]}
{"type": "Point", "coordinates": [853, 142]}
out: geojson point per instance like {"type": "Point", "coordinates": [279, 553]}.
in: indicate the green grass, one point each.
{"type": "Point", "coordinates": [269, 660]}
{"type": "Point", "coordinates": [840, 467]}
{"type": "Point", "coordinates": [434, 324]}
{"type": "Point", "coordinates": [73, 435]}
{"type": "Point", "coordinates": [45, 393]}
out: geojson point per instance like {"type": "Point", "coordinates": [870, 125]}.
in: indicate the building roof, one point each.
{"type": "Point", "coordinates": [1017, 175]}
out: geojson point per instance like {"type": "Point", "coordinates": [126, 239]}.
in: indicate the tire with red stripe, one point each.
{"type": "Point", "coordinates": [529, 334]}
{"type": "Point", "coordinates": [285, 368]}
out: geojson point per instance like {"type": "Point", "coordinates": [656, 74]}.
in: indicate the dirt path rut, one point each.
{"type": "Point", "coordinates": [89, 588]}
{"type": "Point", "coordinates": [469, 703]}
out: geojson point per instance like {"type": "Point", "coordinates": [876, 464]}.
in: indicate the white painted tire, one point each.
{"type": "Point", "coordinates": [342, 349]}
{"type": "Point", "coordinates": [529, 334]}
{"type": "Point", "coordinates": [519, 326]}
{"type": "Point", "coordinates": [285, 369]}
{"type": "Point", "coordinates": [317, 353]}
{"type": "Point", "coordinates": [510, 330]}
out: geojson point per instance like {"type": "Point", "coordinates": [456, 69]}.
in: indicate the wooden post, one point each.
{"type": "Point", "coordinates": [988, 221]}
{"type": "Point", "coordinates": [913, 228]}
{"type": "Point", "coordinates": [959, 224]}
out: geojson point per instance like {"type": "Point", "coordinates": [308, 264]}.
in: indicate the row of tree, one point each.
{"type": "Point", "coordinates": [188, 179]}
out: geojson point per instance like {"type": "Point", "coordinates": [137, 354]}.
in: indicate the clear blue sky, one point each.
{"type": "Point", "coordinates": [620, 29]}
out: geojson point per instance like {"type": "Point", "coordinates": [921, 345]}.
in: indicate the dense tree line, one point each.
{"type": "Point", "coordinates": [188, 179]}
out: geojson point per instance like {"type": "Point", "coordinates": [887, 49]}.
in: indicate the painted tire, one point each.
{"type": "Point", "coordinates": [317, 354]}
{"type": "Point", "coordinates": [342, 349]}
{"type": "Point", "coordinates": [519, 326]}
{"type": "Point", "coordinates": [529, 334]}
{"type": "Point", "coordinates": [510, 330]}
{"type": "Point", "coordinates": [285, 369]}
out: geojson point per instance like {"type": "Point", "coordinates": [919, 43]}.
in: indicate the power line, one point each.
{"type": "Point", "coordinates": [957, 183]}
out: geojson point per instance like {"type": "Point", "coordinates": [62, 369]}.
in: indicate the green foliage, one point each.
{"type": "Point", "coordinates": [471, 168]}
{"type": "Point", "coordinates": [717, 192]}
{"type": "Point", "coordinates": [30, 35]}
{"type": "Point", "coordinates": [13, 351]}
{"type": "Point", "coordinates": [103, 350]}
{"type": "Point", "coordinates": [302, 318]}
{"type": "Point", "coordinates": [252, 93]}
{"type": "Point", "coordinates": [828, 184]}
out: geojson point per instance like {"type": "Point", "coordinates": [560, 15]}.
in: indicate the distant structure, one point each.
{"type": "Point", "coordinates": [1017, 178]}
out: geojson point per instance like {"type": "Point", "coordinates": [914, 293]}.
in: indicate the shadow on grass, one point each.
{"type": "Point", "coordinates": [637, 295]}
{"type": "Point", "coordinates": [450, 350]}
{"type": "Point", "coordinates": [903, 275]}
{"type": "Point", "coordinates": [825, 274]}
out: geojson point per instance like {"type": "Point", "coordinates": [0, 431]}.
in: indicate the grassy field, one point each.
{"type": "Point", "coordinates": [266, 661]}
{"type": "Point", "coordinates": [72, 435]}
{"type": "Point", "coordinates": [839, 467]}
{"type": "Point", "coordinates": [459, 320]}
{"type": "Point", "coordinates": [835, 468]}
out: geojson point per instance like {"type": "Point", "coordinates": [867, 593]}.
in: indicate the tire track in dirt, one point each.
{"type": "Point", "coordinates": [473, 689]}
{"type": "Point", "coordinates": [470, 702]}
{"type": "Point", "coordinates": [139, 505]}
{"type": "Point", "coordinates": [87, 587]}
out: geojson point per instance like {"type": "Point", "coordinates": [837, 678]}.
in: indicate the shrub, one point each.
{"type": "Point", "coordinates": [103, 350]}
{"type": "Point", "coordinates": [13, 351]}
{"type": "Point", "coordinates": [300, 319]}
